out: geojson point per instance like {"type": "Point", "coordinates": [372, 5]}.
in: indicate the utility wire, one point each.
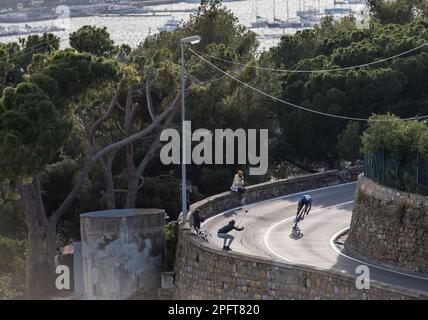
{"type": "Point", "coordinates": [215, 79]}
{"type": "Point", "coordinates": [295, 105]}
{"type": "Point", "coordinates": [314, 71]}
{"type": "Point", "coordinates": [32, 49]}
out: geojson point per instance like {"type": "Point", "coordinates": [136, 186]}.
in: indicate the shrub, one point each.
{"type": "Point", "coordinates": [7, 288]}
{"type": "Point", "coordinates": [171, 235]}
{"type": "Point", "coordinates": [11, 268]}
{"type": "Point", "coordinates": [399, 137]}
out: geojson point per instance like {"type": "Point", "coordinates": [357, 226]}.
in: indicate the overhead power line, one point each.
{"type": "Point", "coordinates": [292, 104]}
{"type": "Point", "coordinates": [315, 71]}
{"type": "Point", "coordinates": [32, 49]}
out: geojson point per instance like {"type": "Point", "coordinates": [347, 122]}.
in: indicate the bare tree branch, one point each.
{"type": "Point", "coordinates": [106, 168]}
{"type": "Point", "coordinates": [99, 121]}
{"type": "Point", "coordinates": [94, 156]}
{"type": "Point", "coordinates": [141, 183]}
{"type": "Point", "coordinates": [150, 102]}
{"type": "Point", "coordinates": [84, 120]}
{"type": "Point", "coordinates": [128, 108]}
{"type": "Point", "coordinates": [141, 134]}
{"type": "Point", "coordinates": [121, 129]}
{"type": "Point", "coordinates": [37, 187]}
{"type": "Point", "coordinates": [134, 109]}
{"type": "Point", "coordinates": [154, 146]}
{"type": "Point", "coordinates": [121, 190]}
{"type": "Point", "coordinates": [119, 106]}
{"type": "Point", "coordinates": [74, 191]}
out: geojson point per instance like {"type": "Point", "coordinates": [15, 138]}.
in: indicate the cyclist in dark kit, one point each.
{"type": "Point", "coordinates": [304, 206]}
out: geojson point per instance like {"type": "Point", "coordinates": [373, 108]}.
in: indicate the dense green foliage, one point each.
{"type": "Point", "coordinates": [97, 41]}
{"type": "Point", "coordinates": [40, 133]}
{"type": "Point", "coordinates": [171, 235]}
{"type": "Point", "coordinates": [349, 143]}
{"type": "Point", "coordinates": [398, 11]}
{"type": "Point", "coordinates": [36, 123]}
{"type": "Point", "coordinates": [92, 40]}
{"type": "Point", "coordinates": [35, 117]}
{"type": "Point", "coordinates": [220, 102]}
{"type": "Point", "coordinates": [11, 268]}
{"type": "Point", "coordinates": [395, 86]}
{"type": "Point", "coordinates": [396, 153]}
{"type": "Point", "coordinates": [16, 57]}
{"type": "Point", "coordinates": [396, 136]}
{"type": "Point", "coordinates": [12, 233]}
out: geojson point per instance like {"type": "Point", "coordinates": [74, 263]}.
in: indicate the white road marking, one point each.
{"type": "Point", "coordinates": [266, 243]}
{"type": "Point", "coordinates": [280, 197]}
{"type": "Point", "coordinates": [366, 263]}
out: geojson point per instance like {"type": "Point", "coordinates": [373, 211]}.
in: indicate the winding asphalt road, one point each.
{"type": "Point", "coordinates": [268, 227]}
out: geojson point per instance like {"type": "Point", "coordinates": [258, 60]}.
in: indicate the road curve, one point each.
{"type": "Point", "coordinates": [268, 234]}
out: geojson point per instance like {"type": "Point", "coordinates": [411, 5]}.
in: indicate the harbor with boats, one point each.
{"type": "Point", "coordinates": [132, 21]}
{"type": "Point", "coordinates": [308, 14]}
{"type": "Point", "coordinates": [14, 30]}
{"type": "Point", "coordinates": [107, 9]}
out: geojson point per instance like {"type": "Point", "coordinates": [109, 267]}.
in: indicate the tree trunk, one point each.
{"type": "Point", "coordinates": [41, 231]}
{"type": "Point", "coordinates": [106, 168]}
{"type": "Point", "coordinates": [110, 195]}
{"type": "Point", "coordinates": [41, 241]}
{"type": "Point", "coordinates": [135, 174]}
{"type": "Point", "coordinates": [131, 197]}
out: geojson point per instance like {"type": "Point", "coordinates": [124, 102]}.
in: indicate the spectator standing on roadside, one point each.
{"type": "Point", "coordinates": [238, 186]}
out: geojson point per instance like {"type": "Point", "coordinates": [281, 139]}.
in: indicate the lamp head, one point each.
{"type": "Point", "coordinates": [191, 40]}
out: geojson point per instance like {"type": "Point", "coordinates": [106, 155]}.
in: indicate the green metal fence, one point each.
{"type": "Point", "coordinates": [409, 173]}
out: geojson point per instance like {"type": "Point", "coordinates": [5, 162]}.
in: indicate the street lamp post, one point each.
{"type": "Point", "coordinates": [188, 40]}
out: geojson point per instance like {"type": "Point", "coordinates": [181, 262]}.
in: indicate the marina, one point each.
{"type": "Point", "coordinates": [306, 16]}
{"type": "Point", "coordinates": [104, 10]}
{"type": "Point", "coordinates": [17, 30]}
{"type": "Point", "coordinates": [170, 25]}
{"type": "Point", "coordinates": [132, 22]}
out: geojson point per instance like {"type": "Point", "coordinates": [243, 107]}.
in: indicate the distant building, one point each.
{"type": "Point", "coordinates": [14, 4]}
{"type": "Point", "coordinates": [23, 4]}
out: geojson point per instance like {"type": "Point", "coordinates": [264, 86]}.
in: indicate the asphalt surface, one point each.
{"type": "Point", "coordinates": [268, 227]}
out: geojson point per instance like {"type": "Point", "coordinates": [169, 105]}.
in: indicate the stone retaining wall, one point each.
{"type": "Point", "coordinates": [390, 227]}
{"type": "Point", "coordinates": [206, 273]}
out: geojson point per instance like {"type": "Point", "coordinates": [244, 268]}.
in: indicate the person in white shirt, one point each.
{"type": "Point", "coordinates": [238, 186]}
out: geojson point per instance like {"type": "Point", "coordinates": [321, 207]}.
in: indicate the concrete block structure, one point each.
{"type": "Point", "coordinates": [123, 252]}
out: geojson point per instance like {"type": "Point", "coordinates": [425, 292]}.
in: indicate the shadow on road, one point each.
{"type": "Point", "coordinates": [296, 236]}
{"type": "Point", "coordinates": [231, 213]}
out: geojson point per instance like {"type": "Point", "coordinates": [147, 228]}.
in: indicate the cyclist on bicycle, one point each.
{"type": "Point", "coordinates": [303, 207]}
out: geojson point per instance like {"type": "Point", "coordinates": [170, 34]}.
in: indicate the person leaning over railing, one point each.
{"type": "Point", "coordinates": [198, 217]}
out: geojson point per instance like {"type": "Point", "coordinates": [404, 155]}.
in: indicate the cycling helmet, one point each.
{"type": "Point", "coordinates": [306, 198]}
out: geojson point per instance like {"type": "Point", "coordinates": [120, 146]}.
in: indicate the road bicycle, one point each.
{"type": "Point", "coordinates": [296, 230]}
